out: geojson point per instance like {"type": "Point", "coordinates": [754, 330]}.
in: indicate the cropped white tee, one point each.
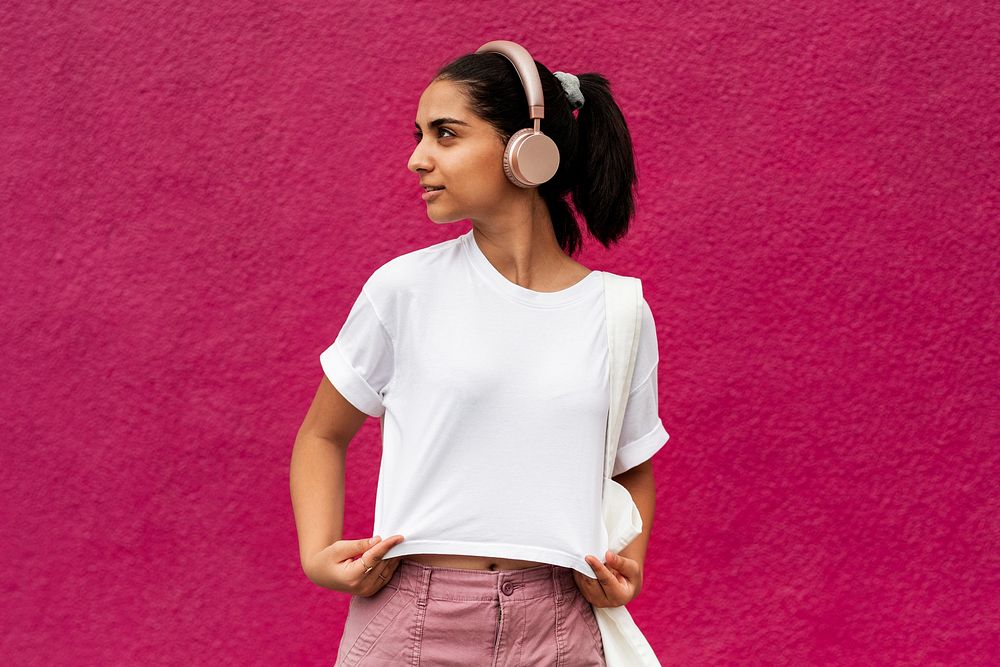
{"type": "Point", "coordinates": [493, 403]}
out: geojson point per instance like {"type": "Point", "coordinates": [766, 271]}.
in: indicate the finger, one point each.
{"type": "Point", "coordinates": [367, 561]}
{"type": "Point", "coordinates": [377, 564]}
{"type": "Point", "coordinates": [626, 566]}
{"type": "Point", "coordinates": [607, 581]}
{"type": "Point", "coordinates": [362, 545]}
{"type": "Point", "coordinates": [382, 547]}
{"type": "Point", "coordinates": [382, 572]}
{"type": "Point", "coordinates": [374, 547]}
{"type": "Point", "coordinates": [583, 580]}
{"type": "Point", "coordinates": [600, 568]}
{"type": "Point", "coordinates": [617, 566]}
{"type": "Point", "coordinates": [373, 556]}
{"type": "Point", "coordinates": [370, 582]}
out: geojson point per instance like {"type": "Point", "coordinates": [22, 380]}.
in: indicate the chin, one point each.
{"type": "Point", "coordinates": [442, 220]}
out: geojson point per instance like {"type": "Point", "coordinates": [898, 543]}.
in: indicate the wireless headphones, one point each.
{"type": "Point", "coordinates": [530, 158]}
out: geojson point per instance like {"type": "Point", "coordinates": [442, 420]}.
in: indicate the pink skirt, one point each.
{"type": "Point", "coordinates": [443, 616]}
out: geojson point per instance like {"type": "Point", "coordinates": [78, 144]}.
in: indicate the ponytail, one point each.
{"type": "Point", "coordinates": [603, 191]}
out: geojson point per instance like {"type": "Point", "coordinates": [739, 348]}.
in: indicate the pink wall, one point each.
{"type": "Point", "coordinates": [192, 194]}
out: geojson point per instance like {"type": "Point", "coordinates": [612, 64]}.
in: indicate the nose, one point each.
{"type": "Point", "coordinates": [418, 161]}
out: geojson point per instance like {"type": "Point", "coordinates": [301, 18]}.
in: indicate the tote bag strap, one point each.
{"type": "Point", "coordinates": [623, 307]}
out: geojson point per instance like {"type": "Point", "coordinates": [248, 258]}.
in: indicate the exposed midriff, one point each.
{"type": "Point", "coordinates": [471, 562]}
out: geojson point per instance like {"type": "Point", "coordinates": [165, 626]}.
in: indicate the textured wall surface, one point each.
{"type": "Point", "coordinates": [191, 195]}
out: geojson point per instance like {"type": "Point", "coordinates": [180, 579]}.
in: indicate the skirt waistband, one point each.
{"type": "Point", "coordinates": [449, 583]}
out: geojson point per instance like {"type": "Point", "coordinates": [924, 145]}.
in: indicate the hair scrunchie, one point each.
{"type": "Point", "coordinates": [571, 84]}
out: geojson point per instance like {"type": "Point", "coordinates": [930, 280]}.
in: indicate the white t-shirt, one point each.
{"type": "Point", "coordinates": [493, 401]}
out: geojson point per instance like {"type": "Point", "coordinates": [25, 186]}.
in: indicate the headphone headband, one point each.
{"type": "Point", "coordinates": [527, 71]}
{"type": "Point", "coordinates": [530, 158]}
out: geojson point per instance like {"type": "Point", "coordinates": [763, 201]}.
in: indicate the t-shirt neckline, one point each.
{"type": "Point", "coordinates": [586, 285]}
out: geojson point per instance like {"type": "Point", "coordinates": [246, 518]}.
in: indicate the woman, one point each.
{"type": "Point", "coordinates": [485, 359]}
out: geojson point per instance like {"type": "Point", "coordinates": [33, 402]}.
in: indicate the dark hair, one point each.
{"type": "Point", "coordinates": [596, 163]}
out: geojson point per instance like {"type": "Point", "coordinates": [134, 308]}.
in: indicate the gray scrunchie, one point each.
{"type": "Point", "coordinates": [571, 84]}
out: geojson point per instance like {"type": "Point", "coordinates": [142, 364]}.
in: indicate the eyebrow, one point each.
{"type": "Point", "coordinates": [443, 121]}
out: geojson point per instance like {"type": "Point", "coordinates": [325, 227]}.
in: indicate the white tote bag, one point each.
{"type": "Point", "coordinates": [624, 643]}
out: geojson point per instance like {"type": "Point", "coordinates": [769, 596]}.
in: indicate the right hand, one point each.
{"type": "Point", "coordinates": [335, 567]}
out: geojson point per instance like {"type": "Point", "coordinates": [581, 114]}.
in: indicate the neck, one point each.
{"type": "Point", "coordinates": [524, 247]}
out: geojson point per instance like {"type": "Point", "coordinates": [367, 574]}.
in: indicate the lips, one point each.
{"type": "Point", "coordinates": [431, 194]}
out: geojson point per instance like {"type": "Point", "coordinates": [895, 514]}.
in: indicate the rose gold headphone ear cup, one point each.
{"type": "Point", "coordinates": [530, 158]}
{"type": "Point", "coordinates": [507, 169]}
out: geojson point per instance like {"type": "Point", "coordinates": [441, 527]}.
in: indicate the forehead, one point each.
{"type": "Point", "coordinates": [443, 99]}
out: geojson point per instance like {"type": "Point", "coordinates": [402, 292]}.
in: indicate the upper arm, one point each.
{"type": "Point", "coordinates": [644, 467]}
{"type": "Point", "coordinates": [331, 416]}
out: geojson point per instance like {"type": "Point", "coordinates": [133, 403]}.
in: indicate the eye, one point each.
{"type": "Point", "coordinates": [417, 135]}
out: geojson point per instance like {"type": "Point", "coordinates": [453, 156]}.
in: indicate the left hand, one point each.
{"type": "Point", "coordinates": [618, 580]}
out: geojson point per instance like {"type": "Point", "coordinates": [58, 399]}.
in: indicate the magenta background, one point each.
{"type": "Point", "coordinates": [192, 196]}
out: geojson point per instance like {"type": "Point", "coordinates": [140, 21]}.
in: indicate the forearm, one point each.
{"type": "Point", "coordinates": [316, 479]}
{"type": "Point", "coordinates": [642, 487]}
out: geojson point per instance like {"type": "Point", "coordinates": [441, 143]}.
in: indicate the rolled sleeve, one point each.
{"type": "Point", "coordinates": [640, 450]}
{"type": "Point", "coordinates": [360, 363]}
{"type": "Point", "coordinates": [349, 382]}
